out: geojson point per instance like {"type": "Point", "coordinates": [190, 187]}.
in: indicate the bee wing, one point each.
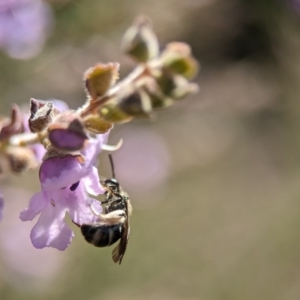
{"type": "Point", "coordinates": [116, 254]}
{"type": "Point", "coordinates": [120, 249]}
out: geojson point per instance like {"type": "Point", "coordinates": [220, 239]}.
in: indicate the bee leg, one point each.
{"type": "Point", "coordinates": [76, 224]}
{"type": "Point", "coordinates": [114, 217]}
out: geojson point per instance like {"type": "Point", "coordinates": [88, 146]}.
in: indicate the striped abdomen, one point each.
{"type": "Point", "coordinates": [102, 235]}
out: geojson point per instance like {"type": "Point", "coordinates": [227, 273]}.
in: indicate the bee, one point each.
{"type": "Point", "coordinates": [114, 223]}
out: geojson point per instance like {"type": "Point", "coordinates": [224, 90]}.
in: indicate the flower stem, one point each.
{"type": "Point", "coordinates": [26, 139]}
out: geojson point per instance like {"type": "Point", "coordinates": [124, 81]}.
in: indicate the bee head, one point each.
{"type": "Point", "coordinates": [112, 184]}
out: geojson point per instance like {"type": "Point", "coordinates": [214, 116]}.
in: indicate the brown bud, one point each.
{"type": "Point", "coordinates": [41, 114]}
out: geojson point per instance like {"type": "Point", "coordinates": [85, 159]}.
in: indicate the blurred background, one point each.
{"type": "Point", "coordinates": [214, 181]}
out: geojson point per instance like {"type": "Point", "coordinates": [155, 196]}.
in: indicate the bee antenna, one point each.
{"type": "Point", "coordinates": [112, 165]}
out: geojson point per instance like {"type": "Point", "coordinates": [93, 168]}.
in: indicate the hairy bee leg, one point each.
{"type": "Point", "coordinates": [114, 217]}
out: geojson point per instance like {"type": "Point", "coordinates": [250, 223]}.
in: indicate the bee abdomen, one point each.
{"type": "Point", "coordinates": [102, 235]}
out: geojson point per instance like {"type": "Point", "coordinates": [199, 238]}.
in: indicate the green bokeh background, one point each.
{"type": "Point", "coordinates": [227, 226]}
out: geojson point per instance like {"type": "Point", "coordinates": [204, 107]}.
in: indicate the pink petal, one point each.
{"type": "Point", "coordinates": [37, 203]}
{"type": "Point", "coordinates": [51, 229]}
{"type": "Point", "coordinates": [80, 207]}
{"type": "Point", "coordinates": [57, 173]}
{"type": "Point", "coordinates": [92, 183]}
{"type": "Point", "coordinates": [93, 149]}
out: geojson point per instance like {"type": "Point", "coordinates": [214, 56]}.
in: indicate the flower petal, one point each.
{"type": "Point", "coordinates": [81, 208]}
{"type": "Point", "coordinates": [37, 203]}
{"type": "Point", "coordinates": [92, 183]}
{"type": "Point", "coordinates": [92, 151]}
{"type": "Point", "coordinates": [57, 173]}
{"type": "Point", "coordinates": [51, 230]}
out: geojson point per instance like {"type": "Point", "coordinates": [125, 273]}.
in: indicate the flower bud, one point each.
{"type": "Point", "coordinates": [183, 88]}
{"type": "Point", "coordinates": [177, 58]}
{"type": "Point", "coordinates": [165, 81]}
{"type": "Point", "coordinates": [174, 86]}
{"type": "Point", "coordinates": [140, 42]}
{"type": "Point", "coordinates": [132, 101]}
{"type": "Point", "coordinates": [14, 125]}
{"type": "Point", "coordinates": [158, 100]}
{"type": "Point", "coordinates": [41, 114]}
{"type": "Point", "coordinates": [136, 104]}
{"type": "Point", "coordinates": [158, 94]}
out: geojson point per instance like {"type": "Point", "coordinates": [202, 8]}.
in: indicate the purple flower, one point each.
{"type": "Point", "coordinates": [65, 183]}
{"type": "Point", "coordinates": [1, 206]}
{"type": "Point", "coordinates": [24, 25]}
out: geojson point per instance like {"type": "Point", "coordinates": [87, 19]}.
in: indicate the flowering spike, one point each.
{"type": "Point", "coordinates": [72, 140]}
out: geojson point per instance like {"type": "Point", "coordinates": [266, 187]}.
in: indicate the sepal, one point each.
{"type": "Point", "coordinates": [177, 58]}
{"type": "Point", "coordinates": [41, 114]}
{"type": "Point", "coordinates": [100, 78]}
{"type": "Point", "coordinates": [140, 42]}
